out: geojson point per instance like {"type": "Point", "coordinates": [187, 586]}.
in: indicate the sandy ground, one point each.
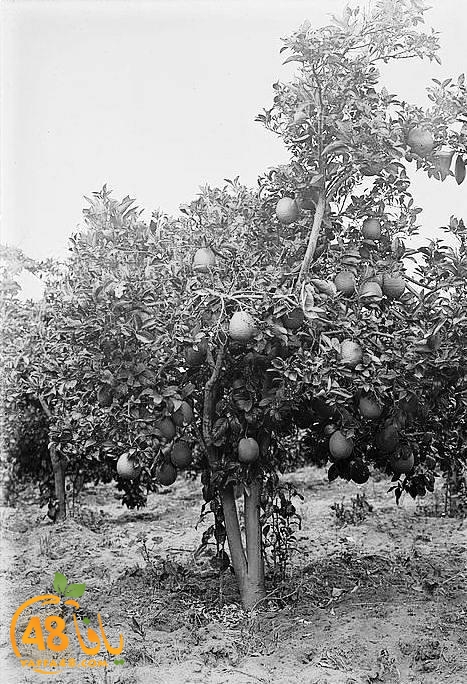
{"type": "Point", "coordinates": [378, 599]}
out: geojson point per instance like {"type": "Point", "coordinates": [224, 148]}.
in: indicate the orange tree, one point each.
{"type": "Point", "coordinates": [24, 423]}
{"type": "Point", "coordinates": [86, 349]}
{"type": "Point", "coordinates": [211, 339]}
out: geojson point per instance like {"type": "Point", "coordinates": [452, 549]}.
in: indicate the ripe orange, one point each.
{"type": "Point", "coordinates": [204, 259]}
{"type": "Point", "coordinates": [166, 428]}
{"type": "Point", "coordinates": [371, 229]}
{"type": "Point", "coordinates": [345, 282]}
{"type": "Point", "coordinates": [248, 450]}
{"type": "Point", "coordinates": [167, 474]}
{"type": "Point", "coordinates": [105, 396]}
{"type": "Point", "coordinates": [242, 327]}
{"type": "Point", "coordinates": [393, 286]}
{"type": "Point", "coordinates": [127, 469]}
{"type": "Point", "coordinates": [369, 408]}
{"type": "Point", "coordinates": [181, 455]}
{"type": "Point", "coordinates": [293, 320]}
{"type": "Point", "coordinates": [421, 141]}
{"type": "Point", "coordinates": [351, 353]}
{"type": "Point", "coordinates": [196, 356]}
{"type": "Point", "coordinates": [183, 415]}
{"type": "Point", "coordinates": [402, 464]}
{"type": "Point", "coordinates": [287, 210]}
{"type": "Point", "coordinates": [387, 440]}
{"type": "Point", "coordinates": [340, 447]}
{"type": "Point", "coordinates": [359, 471]}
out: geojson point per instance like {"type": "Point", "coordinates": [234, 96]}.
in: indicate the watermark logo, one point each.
{"type": "Point", "coordinates": [43, 634]}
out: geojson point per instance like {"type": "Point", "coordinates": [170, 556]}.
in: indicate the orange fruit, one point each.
{"type": "Point", "coordinates": [293, 320]}
{"type": "Point", "coordinates": [166, 428]}
{"type": "Point", "coordinates": [248, 450]}
{"type": "Point", "coordinates": [371, 229]}
{"type": "Point", "coordinates": [369, 408]}
{"type": "Point", "coordinates": [359, 471]}
{"type": "Point", "coordinates": [287, 210]}
{"type": "Point", "coordinates": [340, 447]}
{"type": "Point", "coordinates": [351, 353]}
{"type": "Point", "coordinates": [204, 259]}
{"type": "Point", "coordinates": [345, 282]}
{"type": "Point", "coordinates": [127, 469]}
{"type": "Point", "coordinates": [167, 474]}
{"type": "Point", "coordinates": [393, 286]}
{"type": "Point", "coordinates": [196, 355]}
{"type": "Point", "coordinates": [421, 141]}
{"type": "Point", "coordinates": [242, 327]}
{"type": "Point", "coordinates": [183, 415]}
{"type": "Point", "coordinates": [387, 440]}
{"type": "Point", "coordinates": [105, 396]}
{"type": "Point", "coordinates": [181, 455]}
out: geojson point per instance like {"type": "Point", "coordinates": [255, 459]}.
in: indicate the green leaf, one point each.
{"type": "Point", "coordinates": [459, 171]}
{"type": "Point", "coordinates": [75, 590]}
{"type": "Point", "coordinates": [143, 339]}
{"type": "Point", "coordinates": [294, 58]}
{"type": "Point", "coordinates": [60, 582]}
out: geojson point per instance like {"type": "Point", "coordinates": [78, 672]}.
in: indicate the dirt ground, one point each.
{"type": "Point", "coordinates": [378, 599]}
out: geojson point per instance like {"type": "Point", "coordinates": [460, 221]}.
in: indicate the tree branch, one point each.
{"type": "Point", "coordinates": [208, 404]}
{"type": "Point", "coordinates": [234, 537]}
{"type": "Point", "coordinates": [313, 238]}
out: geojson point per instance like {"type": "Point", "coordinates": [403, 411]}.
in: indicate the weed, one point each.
{"type": "Point", "coordinates": [355, 514]}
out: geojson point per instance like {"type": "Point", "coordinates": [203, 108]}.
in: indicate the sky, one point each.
{"type": "Point", "coordinates": [158, 98]}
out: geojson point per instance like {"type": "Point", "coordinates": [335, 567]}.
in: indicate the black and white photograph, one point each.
{"type": "Point", "coordinates": [233, 342]}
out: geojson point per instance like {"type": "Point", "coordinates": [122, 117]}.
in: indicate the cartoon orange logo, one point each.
{"type": "Point", "coordinates": [50, 635]}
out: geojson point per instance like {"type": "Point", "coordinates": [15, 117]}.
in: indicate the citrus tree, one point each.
{"type": "Point", "coordinates": [31, 356]}
{"type": "Point", "coordinates": [211, 340]}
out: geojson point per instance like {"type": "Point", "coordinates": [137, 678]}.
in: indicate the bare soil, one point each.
{"type": "Point", "coordinates": [380, 598]}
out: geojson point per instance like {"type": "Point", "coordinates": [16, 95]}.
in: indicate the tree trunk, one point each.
{"type": "Point", "coordinates": [249, 567]}
{"type": "Point", "coordinates": [57, 468]}
{"type": "Point", "coordinates": [59, 479]}
{"type": "Point", "coordinates": [255, 590]}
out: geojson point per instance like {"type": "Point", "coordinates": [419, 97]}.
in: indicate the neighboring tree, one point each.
{"type": "Point", "coordinates": [28, 380]}
{"type": "Point", "coordinates": [211, 340]}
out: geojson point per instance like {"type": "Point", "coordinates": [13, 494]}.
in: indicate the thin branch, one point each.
{"type": "Point", "coordinates": [208, 397]}
{"type": "Point", "coordinates": [426, 287]}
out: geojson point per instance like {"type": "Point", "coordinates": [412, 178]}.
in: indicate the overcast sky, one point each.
{"type": "Point", "coordinates": [158, 98]}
